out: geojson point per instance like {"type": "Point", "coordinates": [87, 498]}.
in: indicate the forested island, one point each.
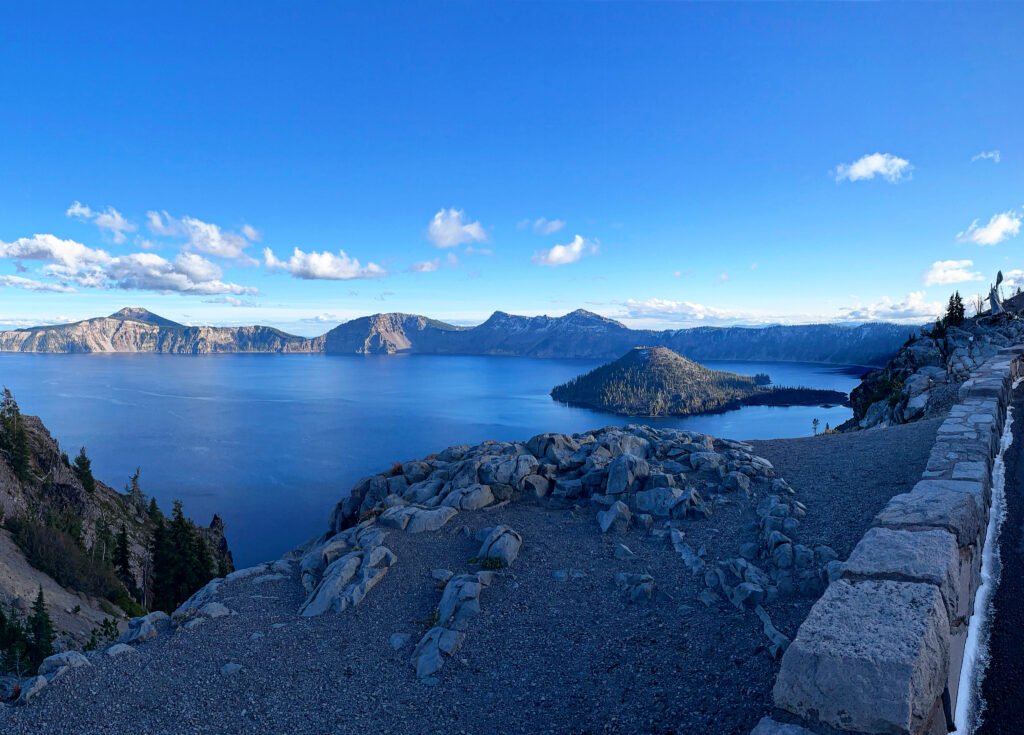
{"type": "Point", "coordinates": [655, 381]}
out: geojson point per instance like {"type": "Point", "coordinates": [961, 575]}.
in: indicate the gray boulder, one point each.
{"type": "Point", "coordinates": [61, 662]}
{"type": "Point", "coordinates": [616, 518]}
{"type": "Point", "coordinates": [626, 473]}
{"type": "Point", "coordinates": [425, 519]}
{"type": "Point", "coordinates": [501, 543]}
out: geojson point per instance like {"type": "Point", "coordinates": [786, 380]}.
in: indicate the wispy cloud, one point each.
{"type": "Point", "coordinates": [542, 225]}
{"type": "Point", "coordinates": [565, 254]}
{"type": "Point", "coordinates": [993, 156]}
{"type": "Point", "coordinates": [1000, 227]}
{"type": "Point", "coordinates": [233, 301]}
{"type": "Point", "coordinates": [951, 271]}
{"type": "Point", "coordinates": [427, 266]}
{"type": "Point", "coordinates": [885, 165]}
{"type": "Point", "coordinates": [322, 266]}
{"type": "Point", "coordinates": [912, 309]}
{"type": "Point", "coordinates": [108, 220]}
{"type": "Point", "coordinates": [449, 229]}
{"type": "Point", "coordinates": [30, 285]}
{"type": "Point", "coordinates": [204, 237]}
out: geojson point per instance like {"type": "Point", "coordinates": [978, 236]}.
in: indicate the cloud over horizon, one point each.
{"type": "Point", "coordinates": [885, 165]}
{"type": "Point", "coordinates": [68, 261]}
{"type": "Point", "coordinates": [325, 265]}
{"type": "Point", "coordinates": [951, 271]}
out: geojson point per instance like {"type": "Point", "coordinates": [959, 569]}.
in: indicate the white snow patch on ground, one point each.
{"type": "Point", "coordinates": [969, 705]}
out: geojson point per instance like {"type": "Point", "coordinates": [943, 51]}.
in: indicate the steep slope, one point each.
{"type": "Point", "coordinates": [60, 534]}
{"type": "Point", "coordinates": [138, 330]}
{"type": "Point", "coordinates": [387, 334]}
{"type": "Point", "coordinates": [584, 335]}
{"type": "Point", "coordinates": [654, 381]}
{"type": "Point", "coordinates": [922, 378]}
{"type": "Point", "coordinates": [580, 334]}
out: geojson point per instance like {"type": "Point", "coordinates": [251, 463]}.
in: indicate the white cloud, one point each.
{"type": "Point", "coordinates": [1000, 227]}
{"type": "Point", "coordinates": [912, 309]}
{"type": "Point", "coordinates": [951, 271]}
{"type": "Point", "coordinates": [51, 249]}
{"type": "Point", "coordinates": [679, 312]}
{"type": "Point", "coordinates": [211, 239]}
{"type": "Point", "coordinates": [1012, 280]}
{"type": "Point", "coordinates": [205, 237]}
{"type": "Point", "coordinates": [30, 285]}
{"type": "Point", "coordinates": [188, 273]}
{"type": "Point", "coordinates": [109, 220]}
{"type": "Point", "coordinates": [448, 229]}
{"type": "Point", "coordinates": [565, 254]}
{"type": "Point", "coordinates": [889, 167]}
{"type": "Point", "coordinates": [72, 261]}
{"type": "Point", "coordinates": [427, 266]}
{"type": "Point", "coordinates": [163, 224]}
{"type": "Point", "coordinates": [993, 156]}
{"type": "Point", "coordinates": [231, 301]}
{"type": "Point", "coordinates": [322, 266]}
{"type": "Point", "coordinates": [542, 225]}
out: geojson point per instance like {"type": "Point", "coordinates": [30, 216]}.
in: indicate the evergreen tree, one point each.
{"type": "Point", "coordinates": [181, 561]}
{"type": "Point", "coordinates": [123, 559]}
{"type": "Point", "coordinates": [83, 470]}
{"type": "Point", "coordinates": [135, 493]}
{"type": "Point", "coordinates": [955, 311]}
{"type": "Point", "coordinates": [41, 633]}
{"type": "Point", "coordinates": [13, 437]}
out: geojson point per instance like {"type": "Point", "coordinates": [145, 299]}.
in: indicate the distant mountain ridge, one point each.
{"type": "Point", "coordinates": [579, 334]}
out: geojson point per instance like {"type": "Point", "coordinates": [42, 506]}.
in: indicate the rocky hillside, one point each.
{"type": "Point", "coordinates": [385, 334]}
{"type": "Point", "coordinates": [60, 532]}
{"type": "Point", "coordinates": [616, 581]}
{"type": "Point", "coordinates": [583, 334]}
{"type": "Point", "coordinates": [655, 381]}
{"type": "Point", "coordinates": [580, 334]}
{"type": "Point", "coordinates": [138, 330]}
{"type": "Point", "coordinates": [923, 378]}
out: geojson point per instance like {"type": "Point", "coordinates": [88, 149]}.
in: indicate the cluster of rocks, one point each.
{"type": "Point", "coordinates": [664, 473]}
{"type": "Point", "coordinates": [922, 378]}
{"type": "Point", "coordinates": [338, 572]}
{"type": "Point", "coordinates": [881, 651]}
{"type": "Point", "coordinates": [460, 603]}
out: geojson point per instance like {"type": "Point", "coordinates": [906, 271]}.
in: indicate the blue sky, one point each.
{"type": "Point", "coordinates": [665, 164]}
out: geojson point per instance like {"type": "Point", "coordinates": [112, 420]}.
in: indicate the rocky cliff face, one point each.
{"type": "Point", "coordinates": [54, 498]}
{"type": "Point", "coordinates": [922, 379]}
{"type": "Point", "coordinates": [137, 330]}
{"type": "Point", "coordinates": [580, 334]}
{"type": "Point", "coordinates": [585, 335]}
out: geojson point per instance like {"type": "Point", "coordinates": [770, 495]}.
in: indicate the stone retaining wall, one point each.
{"type": "Point", "coordinates": [881, 651]}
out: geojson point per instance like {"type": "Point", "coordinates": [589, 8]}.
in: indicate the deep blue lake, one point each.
{"type": "Point", "coordinates": [271, 442]}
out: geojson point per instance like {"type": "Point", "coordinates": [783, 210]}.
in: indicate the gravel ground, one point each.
{"type": "Point", "coordinates": [846, 479]}
{"type": "Point", "coordinates": [543, 656]}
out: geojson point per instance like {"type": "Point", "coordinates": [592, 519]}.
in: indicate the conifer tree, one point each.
{"type": "Point", "coordinates": [40, 629]}
{"type": "Point", "coordinates": [13, 437]}
{"type": "Point", "coordinates": [83, 470]}
{"type": "Point", "coordinates": [123, 559]}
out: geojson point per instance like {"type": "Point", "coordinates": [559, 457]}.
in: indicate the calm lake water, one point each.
{"type": "Point", "coordinates": [271, 442]}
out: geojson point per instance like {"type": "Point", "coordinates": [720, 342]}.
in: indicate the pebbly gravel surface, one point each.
{"type": "Point", "coordinates": [846, 479]}
{"type": "Point", "coordinates": [543, 655]}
